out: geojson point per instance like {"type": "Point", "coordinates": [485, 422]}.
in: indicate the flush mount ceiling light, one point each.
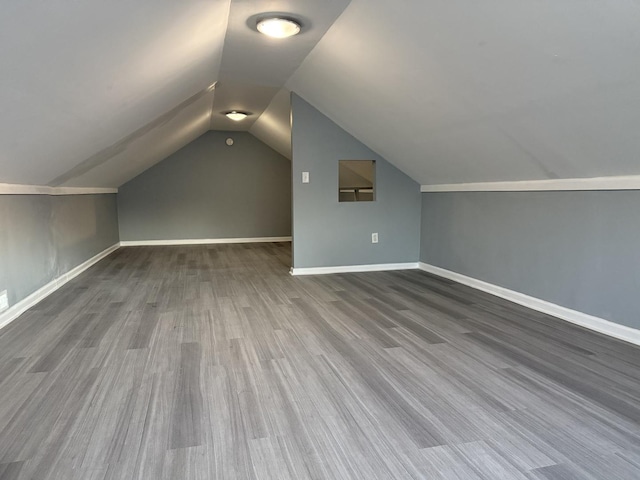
{"type": "Point", "coordinates": [236, 116]}
{"type": "Point", "coordinates": [278, 27]}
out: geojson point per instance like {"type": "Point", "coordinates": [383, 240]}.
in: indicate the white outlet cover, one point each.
{"type": "Point", "coordinates": [305, 177]}
{"type": "Point", "coordinates": [374, 238]}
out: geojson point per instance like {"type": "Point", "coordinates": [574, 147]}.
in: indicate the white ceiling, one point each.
{"type": "Point", "coordinates": [119, 163]}
{"type": "Point", "coordinates": [92, 93]}
{"type": "Point", "coordinates": [254, 67]}
{"type": "Point", "coordinates": [80, 77]}
{"type": "Point", "coordinates": [273, 127]}
{"type": "Point", "coordinates": [469, 91]}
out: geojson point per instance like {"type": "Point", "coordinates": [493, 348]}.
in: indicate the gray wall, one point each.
{"type": "Point", "coordinates": [580, 250]}
{"type": "Point", "coordinates": [328, 233]}
{"type": "Point", "coordinates": [210, 190]}
{"type": "Point", "coordinates": [43, 237]}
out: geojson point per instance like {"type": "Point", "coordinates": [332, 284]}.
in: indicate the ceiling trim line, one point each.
{"type": "Point", "coordinates": [19, 189]}
{"type": "Point", "coordinates": [629, 182]}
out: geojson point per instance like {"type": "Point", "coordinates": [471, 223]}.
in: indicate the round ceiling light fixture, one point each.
{"type": "Point", "coordinates": [279, 27]}
{"type": "Point", "coordinates": [236, 116]}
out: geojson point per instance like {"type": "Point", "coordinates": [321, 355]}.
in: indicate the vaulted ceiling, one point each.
{"type": "Point", "coordinates": [90, 83]}
{"type": "Point", "coordinates": [93, 93]}
{"type": "Point", "coordinates": [467, 91]}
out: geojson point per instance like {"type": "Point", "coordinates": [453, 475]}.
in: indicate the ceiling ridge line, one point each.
{"type": "Point", "coordinates": [121, 145]}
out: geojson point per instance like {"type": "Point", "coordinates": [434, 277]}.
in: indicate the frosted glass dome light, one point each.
{"type": "Point", "coordinates": [278, 27]}
{"type": "Point", "coordinates": [236, 116]}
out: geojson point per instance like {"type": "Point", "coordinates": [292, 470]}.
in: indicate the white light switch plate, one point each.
{"type": "Point", "coordinates": [305, 177]}
{"type": "Point", "coordinates": [4, 301]}
{"type": "Point", "coordinates": [374, 238]}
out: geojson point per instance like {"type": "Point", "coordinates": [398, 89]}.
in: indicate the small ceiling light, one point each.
{"type": "Point", "coordinates": [236, 116]}
{"type": "Point", "coordinates": [278, 27]}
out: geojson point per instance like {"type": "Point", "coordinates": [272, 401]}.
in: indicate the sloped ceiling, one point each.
{"type": "Point", "coordinates": [118, 163]}
{"type": "Point", "coordinates": [466, 91]}
{"type": "Point", "coordinates": [79, 78]}
{"type": "Point", "coordinates": [92, 93]}
{"type": "Point", "coordinates": [255, 68]}
{"type": "Point", "coordinates": [273, 126]}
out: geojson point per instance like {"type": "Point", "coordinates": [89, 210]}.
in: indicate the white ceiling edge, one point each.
{"type": "Point", "coordinates": [18, 189]}
{"type": "Point", "coordinates": [629, 182]}
{"type": "Point", "coordinates": [273, 127]}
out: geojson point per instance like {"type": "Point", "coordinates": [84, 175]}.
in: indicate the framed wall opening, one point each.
{"type": "Point", "coordinates": [356, 181]}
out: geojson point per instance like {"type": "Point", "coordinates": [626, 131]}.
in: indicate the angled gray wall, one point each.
{"type": "Point", "coordinates": [43, 237]}
{"type": "Point", "coordinates": [329, 233]}
{"type": "Point", "coordinates": [580, 250]}
{"type": "Point", "coordinates": [210, 190]}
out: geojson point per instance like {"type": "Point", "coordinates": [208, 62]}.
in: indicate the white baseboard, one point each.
{"type": "Point", "coordinates": [25, 304]}
{"type": "Point", "coordinates": [585, 320]}
{"type": "Point", "coordinates": [354, 268]}
{"type": "Point", "coordinates": [202, 241]}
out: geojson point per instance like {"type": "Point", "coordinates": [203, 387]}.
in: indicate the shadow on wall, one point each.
{"type": "Point", "coordinates": [73, 221]}
{"type": "Point", "coordinates": [43, 237]}
{"type": "Point", "coordinates": [82, 225]}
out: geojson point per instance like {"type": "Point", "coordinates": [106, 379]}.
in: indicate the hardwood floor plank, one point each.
{"type": "Point", "coordinates": [186, 415]}
{"type": "Point", "coordinates": [212, 362]}
{"type": "Point", "coordinates": [10, 471]}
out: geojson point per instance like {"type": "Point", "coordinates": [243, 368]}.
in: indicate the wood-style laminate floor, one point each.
{"type": "Point", "coordinates": [211, 362]}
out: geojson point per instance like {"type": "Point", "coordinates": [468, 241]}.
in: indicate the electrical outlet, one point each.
{"type": "Point", "coordinates": [374, 238]}
{"type": "Point", "coordinates": [305, 177]}
{"type": "Point", "coordinates": [4, 301]}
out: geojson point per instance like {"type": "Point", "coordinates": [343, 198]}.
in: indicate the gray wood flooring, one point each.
{"type": "Point", "coordinates": [211, 362]}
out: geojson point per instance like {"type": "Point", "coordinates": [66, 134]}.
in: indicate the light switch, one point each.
{"type": "Point", "coordinates": [305, 177]}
